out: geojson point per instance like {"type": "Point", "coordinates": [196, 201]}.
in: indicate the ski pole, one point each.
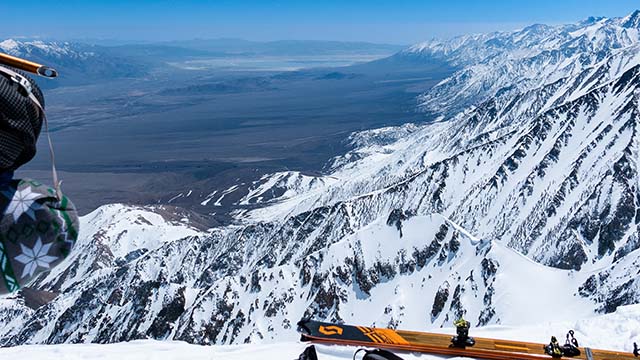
{"type": "Point", "coordinates": [28, 66]}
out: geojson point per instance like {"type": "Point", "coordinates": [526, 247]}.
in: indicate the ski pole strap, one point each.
{"type": "Point", "coordinates": [56, 182]}
{"type": "Point", "coordinates": [377, 354]}
{"type": "Point", "coordinates": [26, 85]}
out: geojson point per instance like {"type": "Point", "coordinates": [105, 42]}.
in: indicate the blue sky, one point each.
{"type": "Point", "coordinates": [400, 21]}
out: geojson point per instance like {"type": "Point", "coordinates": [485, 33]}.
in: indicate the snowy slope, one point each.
{"type": "Point", "coordinates": [116, 234]}
{"type": "Point", "coordinates": [381, 275]}
{"type": "Point", "coordinates": [518, 169]}
{"type": "Point", "coordinates": [615, 331]}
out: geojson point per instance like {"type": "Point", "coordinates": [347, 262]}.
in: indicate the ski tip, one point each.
{"type": "Point", "coordinates": [303, 327]}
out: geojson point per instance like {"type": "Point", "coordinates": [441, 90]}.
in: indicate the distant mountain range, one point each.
{"type": "Point", "coordinates": [519, 204]}
{"type": "Point", "coordinates": [82, 63]}
{"type": "Point", "coordinates": [77, 63]}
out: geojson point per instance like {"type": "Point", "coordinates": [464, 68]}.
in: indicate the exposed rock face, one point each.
{"type": "Point", "coordinates": [34, 298]}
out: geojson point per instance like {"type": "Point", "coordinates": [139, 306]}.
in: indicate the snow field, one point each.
{"type": "Point", "coordinates": [615, 331]}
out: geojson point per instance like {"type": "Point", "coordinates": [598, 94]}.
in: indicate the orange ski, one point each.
{"type": "Point", "coordinates": [438, 344]}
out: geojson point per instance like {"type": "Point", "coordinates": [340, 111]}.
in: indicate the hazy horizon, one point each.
{"type": "Point", "coordinates": [133, 41]}
{"type": "Point", "coordinates": [404, 22]}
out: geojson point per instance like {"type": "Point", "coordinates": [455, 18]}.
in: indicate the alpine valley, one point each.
{"type": "Point", "coordinates": [519, 204]}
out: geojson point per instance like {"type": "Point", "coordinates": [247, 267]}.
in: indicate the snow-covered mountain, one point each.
{"type": "Point", "coordinates": [76, 62]}
{"type": "Point", "coordinates": [495, 63]}
{"type": "Point", "coordinates": [41, 49]}
{"type": "Point", "coordinates": [523, 201]}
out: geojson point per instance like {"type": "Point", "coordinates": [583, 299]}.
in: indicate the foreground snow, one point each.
{"type": "Point", "coordinates": [616, 331]}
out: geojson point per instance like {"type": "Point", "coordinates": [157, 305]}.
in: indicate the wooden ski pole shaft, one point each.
{"type": "Point", "coordinates": [28, 66]}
